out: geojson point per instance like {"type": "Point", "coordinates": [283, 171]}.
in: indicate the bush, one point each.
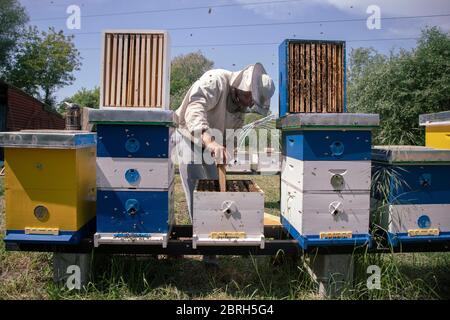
{"type": "Point", "coordinates": [401, 86]}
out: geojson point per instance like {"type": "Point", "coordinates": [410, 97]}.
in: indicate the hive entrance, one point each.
{"type": "Point", "coordinates": [232, 186]}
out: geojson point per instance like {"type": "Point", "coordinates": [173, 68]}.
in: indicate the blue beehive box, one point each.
{"type": "Point", "coordinates": [325, 178]}
{"type": "Point", "coordinates": [412, 192]}
{"type": "Point", "coordinates": [312, 76]}
{"type": "Point", "coordinates": [134, 175]}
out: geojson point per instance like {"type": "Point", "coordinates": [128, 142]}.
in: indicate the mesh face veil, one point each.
{"type": "Point", "coordinates": [255, 79]}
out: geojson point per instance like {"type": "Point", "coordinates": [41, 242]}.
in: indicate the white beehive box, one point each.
{"type": "Point", "coordinates": [327, 175]}
{"type": "Point", "coordinates": [417, 204]}
{"type": "Point", "coordinates": [239, 163]}
{"type": "Point", "coordinates": [268, 162]}
{"type": "Point", "coordinates": [403, 218]}
{"type": "Point", "coordinates": [135, 69]}
{"type": "Point", "coordinates": [319, 213]}
{"type": "Point", "coordinates": [235, 217]}
{"type": "Point", "coordinates": [139, 173]}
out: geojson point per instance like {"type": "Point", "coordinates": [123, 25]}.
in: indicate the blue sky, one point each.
{"type": "Point", "coordinates": [223, 45]}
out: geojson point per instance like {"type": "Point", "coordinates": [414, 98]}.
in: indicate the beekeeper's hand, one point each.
{"type": "Point", "coordinates": [218, 152]}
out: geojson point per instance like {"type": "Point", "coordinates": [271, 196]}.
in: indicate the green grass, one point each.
{"type": "Point", "coordinates": [404, 276]}
{"type": "Point", "coordinates": [189, 278]}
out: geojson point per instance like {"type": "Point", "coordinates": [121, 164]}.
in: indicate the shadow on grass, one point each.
{"type": "Point", "coordinates": [121, 277]}
{"type": "Point", "coordinates": [272, 205]}
{"type": "Point", "coordinates": [406, 276]}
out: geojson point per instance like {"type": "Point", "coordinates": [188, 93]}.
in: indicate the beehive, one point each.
{"type": "Point", "coordinates": [268, 162]}
{"type": "Point", "coordinates": [239, 163]}
{"type": "Point", "coordinates": [437, 129]}
{"type": "Point", "coordinates": [136, 69]}
{"type": "Point", "coordinates": [235, 217]}
{"type": "Point", "coordinates": [312, 76]}
{"type": "Point", "coordinates": [417, 205]}
{"type": "Point", "coordinates": [325, 177]}
{"type": "Point", "coordinates": [135, 175]}
{"type": "Point", "coordinates": [50, 185]}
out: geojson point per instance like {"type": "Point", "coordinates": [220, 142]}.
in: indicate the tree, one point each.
{"type": "Point", "coordinates": [251, 117]}
{"type": "Point", "coordinates": [12, 22]}
{"type": "Point", "coordinates": [401, 86]}
{"type": "Point", "coordinates": [44, 63]}
{"type": "Point", "coordinates": [84, 98]}
{"type": "Point", "coordinates": [361, 61]}
{"type": "Point", "coordinates": [186, 69]}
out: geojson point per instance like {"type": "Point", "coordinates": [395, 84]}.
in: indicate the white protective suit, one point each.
{"type": "Point", "coordinates": [207, 105]}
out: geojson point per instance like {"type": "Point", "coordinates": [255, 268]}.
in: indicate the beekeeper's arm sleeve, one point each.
{"type": "Point", "coordinates": [204, 97]}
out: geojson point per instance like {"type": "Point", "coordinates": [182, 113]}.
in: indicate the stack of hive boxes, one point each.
{"type": "Point", "coordinates": [412, 190]}
{"type": "Point", "coordinates": [325, 177]}
{"type": "Point", "coordinates": [326, 154]}
{"type": "Point", "coordinates": [412, 187]}
{"type": "Point", "coordinates": [135, 172]}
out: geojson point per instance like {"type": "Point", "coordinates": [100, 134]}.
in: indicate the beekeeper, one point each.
{"type": "Point", "coordinates": [216, 102]}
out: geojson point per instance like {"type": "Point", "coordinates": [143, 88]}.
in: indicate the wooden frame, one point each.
{"type": "Point", "coordinates": [135, 69]}
{"type": "Point", "coordinates": [313, 76]}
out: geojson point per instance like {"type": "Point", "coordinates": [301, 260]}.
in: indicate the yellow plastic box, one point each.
{"type": "Point", "coordinates": [49, 185]}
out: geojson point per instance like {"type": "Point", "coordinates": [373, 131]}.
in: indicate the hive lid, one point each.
{"type": "Point", "coordinates": [47, 139]}
{"type": "Point", "coordinates": [409, 154]}
{"type": "Point", "coordinates": [328, 120]}
{"type": "Point", "coordinates": [148, 116]}
{"type": "Point", "coordinates": [434, 118]}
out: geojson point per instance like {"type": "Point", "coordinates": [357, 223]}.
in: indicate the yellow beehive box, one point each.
{"type": "Point", "coordinates": [437, 129]}
{"type": "Point", "coordinates": [49, 185]}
